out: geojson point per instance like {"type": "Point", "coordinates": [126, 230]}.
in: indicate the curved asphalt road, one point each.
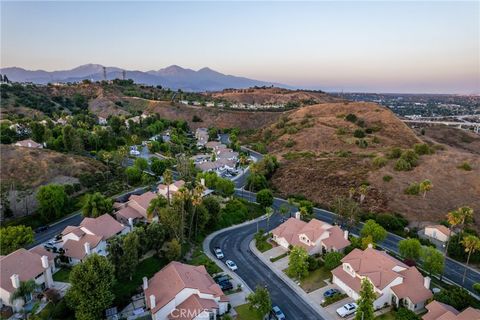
{"type": "Point", "coordinates": [235, 245]}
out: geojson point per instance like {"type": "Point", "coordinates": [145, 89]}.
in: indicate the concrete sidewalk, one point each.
{"type": "Point", "coordinates": [302, 294]}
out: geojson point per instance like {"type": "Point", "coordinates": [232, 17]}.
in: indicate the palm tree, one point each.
{"type": "Point", "coordinates": [425, 186]}
{"type": "Point", "coordinates": [155, 206]}
{"type": "Point", "coordinates": [471, 244]}
{"type": "Point", "coordinates": [268, 212]}
{"type": "Point", "coordinates": [454, 219]}
{"type": "Point", "coordinates": [284, 210]}
{"type": "Point", "coordinates": [182, 195]}
{"type": "Point", "coordinates": [168, 180]}
{"type": "Point", "coordinates": [243, 160]}
{"type": "Point", "coordinates": [197, 197]}
{"type": "Point", "coordinates": [25, 289]}
{"type": "Point", "coordinates": [466, 215]}
{"type": "Point", "coordinates": [362, 190]}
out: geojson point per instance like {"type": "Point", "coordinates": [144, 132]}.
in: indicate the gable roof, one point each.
{"type": "Point", "coordinates": [128, 212]}
{"type": "Point", "coordinates": [412, 286]}
{"type": "Point", "coordinates": [76, 249]}
{"type": "Point", "coordinates": [143, 200]}
{"type": "Point", "coordinates": [104, 226]}
{"type": "Point", "coordinates": [441, 311]}
{"type": "Point", "coordinates": [195, 306]}
{"type": "Point", "coordinates": [175, 277]}
{"type": "Point", "coordinates": [440, 228]}
{"type": "Point", "coordinates": [26, 264]}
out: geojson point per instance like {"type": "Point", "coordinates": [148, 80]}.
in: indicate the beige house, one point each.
{"type": "Point", "coordinates": [438, 232]}
{"type": "Point", "coordinates": [21, 266]}
{"type": "Point", "coordinates": [315, 236]}
{"type": "Point", "coordinates": [173, 188]}
{"type": "Point", "coordinates": [394, 282]}
{"type": "Point", "coordinates": [90, 237]}
{"type": "Point", "coordinates": [441, 311]}
{"type": "Point", "coordinates": [135, 209]}
{"type": "Point", "coordinates": [181, 291]}
{"type": "Point", "coordinates": [28, 143]}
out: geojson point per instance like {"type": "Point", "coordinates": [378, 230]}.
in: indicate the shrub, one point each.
{"type": "Point", "coordinates": [291, 130]}
{"type": "Point", "coordinates": [313, 264]}
{"type": "Point", "coordinates": [196, 119]}
{"type": "Point", "coordinates": [379, 161]}
{"type": "Point", "coordinates": [376, 140]}
{"type": "Point", "coordinates": [337, 297]}
{"type": "Point", "coordinates": [422, 149]}
{"type": "Point", "coordinates": [361, 143]}
{"type": "Point", "coordinates": [405, 314]}
{"type": "Point", "coordinates": [359, 133]}
{"type": "Point", "coordinates": [402, 165]}
{"type": "Point", "coordinates": [465, 166]}
{"type": "Point", "coordinates": [410, 156]}
{"type": "Point", "coordinates": [351, 117]}
{"type": "Point", "coordinates": [369, 131]}
{"type": "Point", "coordinates": [333, 260]}
{"type": "Point", "coordinates": [413, 189]}
{"type": "Point", "coordinates": [395, 153]}
{"type": "Point", "coordinates": [457, 297]}
{"type": "Point", "coordinates": [387, 178]}
{"type": "Point", "coordinates": [361, 123]}
{"type": "Point", "coordinates": [341, 131]}
{"type": "Point", "coordinates": [290, 143]}
{"type": "Point", "coordinates": [343, 154]}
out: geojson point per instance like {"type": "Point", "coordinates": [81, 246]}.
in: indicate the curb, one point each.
{"type": "Point", "coordinates": [206, 250]}
{"type": "Point", "coordinates": [302, 294]}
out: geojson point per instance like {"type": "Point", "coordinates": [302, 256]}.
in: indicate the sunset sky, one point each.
{"type": "Point", "coordinates": [403, 46]}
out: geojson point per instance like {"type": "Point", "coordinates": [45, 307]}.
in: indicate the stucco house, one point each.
{"type": "Point", "coordinates": [90, 237]}
{"type": "Point", "coordinates": [394, 282]}
{"type": "Point", "coordinates": [442, 311]}
{"type": "Point", "coordinates": [173, 188]}
{"type": "Point", "coordinates": [315, 236]}
{"type": "Point", "coordinates": [438, 232]}
{"type": "Point", "coordinates": [21, 266]}
{"type": "Point", "coordinates": [135, 209]}
{"type": "Point", "coordinates": [181, 291]}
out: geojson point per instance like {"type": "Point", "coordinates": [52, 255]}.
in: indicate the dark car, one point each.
{"type": "Point", "coordinates": [226, 285]}
{"type": "Point", "coordinates": [330, 293]}
{"type": "Point", "coordinates": [41, 229]}
{"type": "Point", "coordinates": [222, 278]}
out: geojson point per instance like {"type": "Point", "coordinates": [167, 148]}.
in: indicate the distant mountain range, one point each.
{"type": "Point", "coordinates": [173, 77]}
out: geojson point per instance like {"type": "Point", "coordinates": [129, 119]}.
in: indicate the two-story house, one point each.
{"type": "Point", "coordinates": [135, 209]}
{"type": "Point", "coordinates": [315, 236]}
{"type": "Point", "coordinates": [394, 282]}
{"type": "Point", "coordinates": [181, 291]}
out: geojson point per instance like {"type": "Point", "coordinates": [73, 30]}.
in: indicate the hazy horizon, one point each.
{"type": "Point", "coordinates": [384, 47]}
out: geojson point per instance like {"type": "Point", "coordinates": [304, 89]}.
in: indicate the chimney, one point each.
{"type": "Point", "coordinates": [47, 273]}
{"type": "Point", "coordinates": [426, 282]}
{"type": "Point", "coordinates": [15, 281]}
{"type": "Point", "coordinates": [345, 234]}
{"type": "Point", "coordinates": [145, 283]}
{"type": "Point", "coordinates": [370, 246]}
{"type": "Point", "coordinates": [87, 248]}
{"type": "Point", "coordinates": [130, 223]}
{"type": "Point", "coordinates": [45, 263]}
{"type": "Point", "coordinates": [298, 215]}
{"type": "Point", "coordinates": [202, 181]}
{"type": "Point", "coordinates": [152, 302]}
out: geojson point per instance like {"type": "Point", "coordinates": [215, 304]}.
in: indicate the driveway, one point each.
{"type": "Point", "coordinates": [281, 264]}
{"type": "Point", "coordinates": [331, 309]}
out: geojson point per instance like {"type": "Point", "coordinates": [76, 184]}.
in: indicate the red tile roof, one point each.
{"type": "Point", "coordinates": [104, 226]}
{"type": "Point", "coordinates": [26, 264]}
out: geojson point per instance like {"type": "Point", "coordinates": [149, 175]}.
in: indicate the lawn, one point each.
{"type": "Point", "coordinates": [124, 289]}
{"type": "Point", "coordinates": [314, 280]}
{"type": "Point", "coordinates": [263, 245]}
{"type": "Point", "coordinates": [62, 275]}
{"type": "Point", "coordinates": [386, 316]}
{"type": "Point", "coordinates": [200, 258]}
{"type": "Point", "coordinates": [244, 313]}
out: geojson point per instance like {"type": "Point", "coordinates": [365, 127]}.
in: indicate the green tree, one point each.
{"type": "Point", "coordinates": [265, 198]}
{"type": "Point", "coordinates": [52, 201]}
{"type": "Point", "coordinates": [373, 229]}
{"type": "Point", "coordinates": [457, 297]}
{"type": "Point", "coordinates": [133, 174]}
{"type": "Point", "coordinates": [38, 131]}
{"type": "Point", "coordinates": [129, 261]}
{"type": "Point", "coordinates": [298, 263]}
{"type": "Point", "coordinates": [425, 186]}
{"type": "Point", "coordinates": [168, 180]}
{"type": "Point", "coordinates": [141, 163]}
{"type": "Point", "coordinates": [333, 260]}
{"type": "Point", "coordinates": [213, 207]}
{"type": "Point", "coordinates": [476, 287]}
{"type": "Point", "coordinates": [155, 205]}
{"type": "Point", "coordinates": [433, 260]}
{"type": "Point", "coordinates": [158, 166]}
{"type": "Point", "coordinates": [14, 237]}
{"type": "Point", "coordinates": [256, 182]}
{"type": "Point", "coordinates": [96, 205]}
{"type": "Point", "coordinates": [347, 211]}
{"type": "Point", "coordinates": [91, 287]}
{"type": "Point", "coordinates": [410, 248]}
{"type": "Point", "coordinates": [156, 236]}
{"type": "Point", "coordinates": [365, 303]}
{"type": "Point", "coordinates": [471, 244]}
{"type": "Point", "coordinates": [260, 300]}
{"type": "Point", "coordinates": [173, 250]}
{"type": "Point", "coordinates": [25, 289]}
{"type": "Point", "coordinates": [225, 187]}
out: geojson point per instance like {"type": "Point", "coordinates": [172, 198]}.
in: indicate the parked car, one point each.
{"type": "Point", "coordinates": [50, 247]}
{"type": "Point", "coordinates": [226, 285]}
{"type": "Point", "coordinates": [330, 293]}
{"type": "Point", "coordinates": [277, 314]}
{"type": "Point", "coordinates": [221, 278]}
{"type": "Point", "coordinates": [41, 229]}
{"type": "Point", "coordinates": [218, 253]}
{"type": "Point", "coordinates": [347, 309]}
{"type": "Point", "coordinates": [231, 265]}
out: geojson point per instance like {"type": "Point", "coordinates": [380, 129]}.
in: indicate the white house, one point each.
{"type": "Point", "coordinates": [90, 237]}
{"type": "Point", "coordinates": [438, 232]}
{"type": "Point", "coordinates": [315, 236]}
{"type": "Point", "coordinates": [21, 266]}
{"type": "Point", "coordinates": [181, 291]}
{"type": "Point", "coordinates": [394, 282]}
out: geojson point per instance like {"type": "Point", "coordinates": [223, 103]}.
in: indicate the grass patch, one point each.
{"type": "Point", "coordinates": [386, 316]}
{"type": "Point", "coordinates": [62, 275]}
{"type": "Point", "coordinates": [299, 155]}
{"type": "Point", "coordinates": [387, 178]}
{"type": "Point", "coordinates": [465, 166]}
{"type": "Point", "coordinates": [315, 279]}
{"type": "Point", "coordinates": [123, 290]}
{"type": "Point", "coordinates": [245, 313]}
{"type": "Point", "coordinates": [279, 257]}
{"type": "Point", "coordinates": [200, 258]}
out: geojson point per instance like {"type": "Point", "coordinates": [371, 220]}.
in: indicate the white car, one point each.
{"type": "Point", "coordinates": [134, 153]}
{"type": "Point", "coordinates": [218, 253]}
{"type": "Point", "coordinates": [347, 309]}
{"type": "Point", "coordinates": [231, 265]}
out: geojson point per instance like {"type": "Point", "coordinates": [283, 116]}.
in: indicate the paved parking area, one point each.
{"type": "Point", "coordinates": [331, 309]}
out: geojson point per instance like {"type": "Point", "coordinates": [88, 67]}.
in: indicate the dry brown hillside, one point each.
{"type": "Point", "coordinates": [272, 96]}
{"type": "Point", "coordinates": [33, 167]}
{"type": "Point", "coordinates": [320, 160]}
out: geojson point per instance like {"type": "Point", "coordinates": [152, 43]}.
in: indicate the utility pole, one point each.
{"type": "Point", "coordinates": [124, 74]}
{"type": "Point", "coordinates": [104, 73]}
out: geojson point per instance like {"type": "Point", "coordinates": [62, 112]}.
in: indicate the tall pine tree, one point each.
{"type": "Point", "coordinates": [365, 303]}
